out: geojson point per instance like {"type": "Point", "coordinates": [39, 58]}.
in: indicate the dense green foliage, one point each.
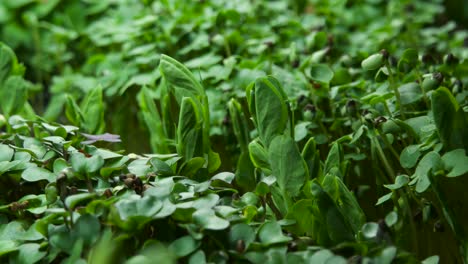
{"type": "Point", "coordinates": [292, 132]}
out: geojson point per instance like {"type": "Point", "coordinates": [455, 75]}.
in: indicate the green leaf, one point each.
{"type": "Point", "coordinates": [302, 213]}
{"type": "Point", "coordinates": [239, 123]}
{"type": "Point", "coordinates": [287, 164]}
{"type": "Point", "coordinates": [241, 232]}
{"type": "Point", "coordinates": [373, 62]}
{"type": "Point", "coordinates": [137, 207]}
{"type": "Point", "coordinates": [93, 111]}
{"type": "Point", "coordinates": [370, 230]}
{"type": "Point", "coordinates": [81, 164]}
{"type": "Point", "coordinates": [387, 255]}
{"type": "Point", "coordinates": [184, 246]}
{"type": "Point", "coordinates": [33, 174]}
{"type": "Point", "coordinates": [73, 112]}
{"type": "Point", "coordinates": [456, 162]}
{"type": "Point", "coordinates": [345, 201]}
{"type": "Point", "coordinates": [270, 233]}
{"type": "Point", "coordinates": [153, 121]}
{"type": "Point", "coordinates": [7, 62]}
{"type": "Point", "coordinates": [29, 253]}
{"type": "Point", "coordinates": [408, 60]}
{"type": "Point", "coordinates": [400, 181]}
{"type": "Point", "coordinates": [259, 156]}
{"type": "Point", "coordinates": [409, 156]}
{"type": "Point", "coordinates": [328, 215]}
{"type": "Point", "coordinates": [13, 95]}
{"type": "Point", "coordinates": [310, 154]}
{"type": "Point", "coordinates": [245, 172]}
{"type": "Point", "coordinates": [227, 177]}
{"type": "Point", "coordinates": [197, 258]}
{"type": "Point", "coordinates": [391, 218]}
{"type": "Point", "coordinates": [191, 167]}
{"type": "Point", "coordinates": [87, 227]}
{"type": "Point", "coordinates": [429, 163]}
{"type": "Point", "coordinates": [431, 260]}
{"type": "Point", "coordinates": [334, 158]}
{"type": "Point", "coordinates": [270, 106]}
{"type": "Point", "coordinates": [161, 168]}
{"type": "Point", "coordinates": [6, 153]}
{"type": "Point", "coordinates": [179, 79]}
{"type": "Point", "coordinates": [410, 93]}
{"type": "Point", "coordinates": [321, 256]}
{"type": "Point", "coordinates": [74, 200]}
{"type": "Point", "coordinates": [189, 130]}
{"type": "Point", "coordinates": [450, 120]}
{"type": "Point", "coordinates": [321, 73]}
{"type": "Point", "coordinates": [301, 131]}
{"type": "Point", "coordinates": [7, 246]}
{"type": "Point", "coordinates": [207, 219]}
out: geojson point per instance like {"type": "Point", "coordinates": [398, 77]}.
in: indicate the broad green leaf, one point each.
{"type": "Point", "coordinates": [450, 120]}
{"type": "Point", "coordinates": [214, 161]}
{"type": "Point", "coordinates": [191, 167]}
{"type": "Point", "coordinates": [33, 174]}
{"type": "Point", "coordinates": [93, 111]}
{"type": "Point", "coordinates": [6, 153]}
{"type": "Point", "coordinates": [179, 79]}
{"type": "Point", "coordinates": [13, 95]}
{"type": "Point", "coordinates": [455, 162]}
{"type": "Point", "coordinates": [321, 73]}
{"type": "Point", "coordinates": [302, 213]}
{"type": "Point", "coordinates": [431, 260]}
{"type": "Point", "coordinates": [270, 233]}
{"type": "Point", "coordinates": [207, 219]}
{"type": "Point", "coordinates": [74, 200]}
{"type": "Point", "coordinates": [345, 201]}
{"type": "Point", "coordinates": [137, 207]}
{"type": "Point", "coordinates": [153, 121]}
{"type": "Point", "coordinates": [408, 60]}
{"type": "Point", "coordinates": [73, 112]}
{"type": "Point", "coordinates": [301, 131]}
{"type": "Point", "coordinates": [387, 255]}
{"type": "Point", "coordinates": [227, 177]}
{"type": "Point", "coordinates": [259, 156]}
{"type": "Point", "coordinates": [370, 230]}
{"type": "Point", "coordinates": [81, 164]}
{"type": "Point", "coordinates": [409, 156]}
{"type": "Point", "coordinates": [391, 218]}
{"type": "Point", "coordinates": [245, 172]}
{"type": "Point", "coordinates": [311, 156]}
{"type": "Point", "coordinates": [241, 232]}
{"type": "Point", "coordinates": [189, 130]}
{"type": "Point", "coordinates": [239, 123]}
{"type": "Point", "coordinates": [384, 198]}
{"type": "Point", "coordinates": [29, 253]}
{"type": "Point", "coordinates": [271, 112]}
{"type": "Point", "coordinates": [334, 158]}
{"type": "Point", "coordinates": [287, 164]}
{"type": "Point", "coordinates": [37, 204]}
{"type": "Point", "coordinates": [430, 163]}
{"type": "Point", "coordinates": [321, 256]}
{"type": "Point", "coordinates": [7, 61]}
{"type": "Point", "coordinates": [184, 246]}
{"type": "Point", "coordinates": [7, 246]}
{"type": "Point", "coordinates": [410, 93]}
{"type": "Point", "coordinates": [87, 227]}
{"type": "Point", "coordinates": [331, 227]}
{"type": "Point", "coordinates": [400, 181]}
{"type": "Point", "coordinates": [197, 258]}
{"type": "Point", "coordinates": [160, 167]}
{"type": "Point", "coordinates": [373, 62]}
